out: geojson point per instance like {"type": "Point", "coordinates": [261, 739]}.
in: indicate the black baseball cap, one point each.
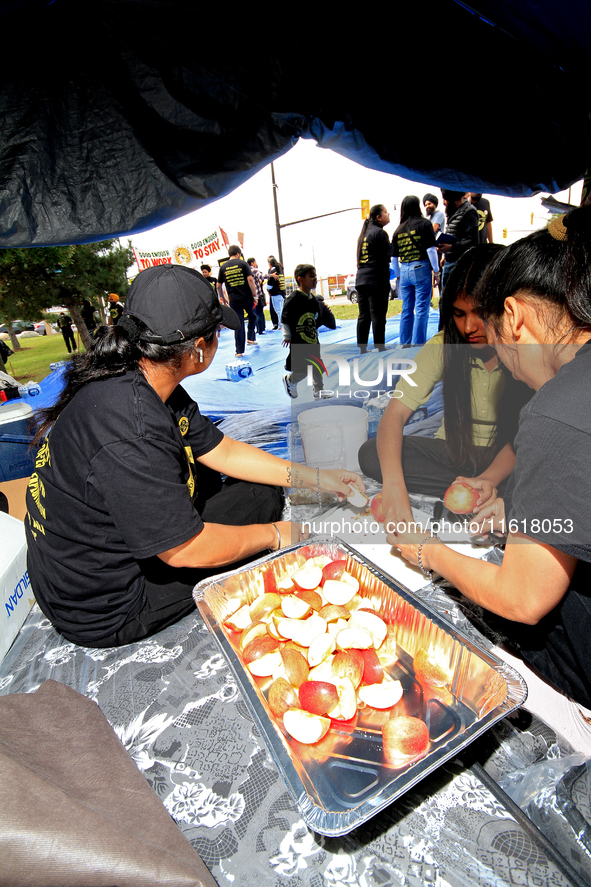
{"type": "Point", "coordinates": [176, 303]}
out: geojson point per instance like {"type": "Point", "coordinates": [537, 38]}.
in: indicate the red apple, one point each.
{"type": "Point", "coordinates": [461, 498]}
{"type": "Point", "coordinates": [295, 665]}
{"type": "Point", "coordinates": [333, 570]}
{"type": "Point", "coordinates": [282, 697]}
{"type": "Point", "coordinates": [311, 597]}
{"type": "Point", "coordinates": [318, 697]}
{"type": "Point", "coordinates": [269, 582]}
{"type": "Point", "coordinates": [349, 664]}
{"type": "Point", "coordinates": [373, 670]}
{"type": "Point", "coordinates": [405, 737]}
{"type": "Point", "coordinates": [376, 509]}
{"type": "Point", "coordinates": [305, 727]}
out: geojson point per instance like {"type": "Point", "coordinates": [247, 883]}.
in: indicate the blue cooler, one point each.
{"type": "Point", "coordinates": [16, 457]}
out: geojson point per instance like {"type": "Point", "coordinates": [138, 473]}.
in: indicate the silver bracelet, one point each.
{"type": "Point", "coordinates": [278, 536]}
{"type": "Point", "coordinates": [318, 486]}
{"type": "Point", "coordinates": [428, 573]}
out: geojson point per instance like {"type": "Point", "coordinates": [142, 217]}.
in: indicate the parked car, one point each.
{"type": "Point", "coordinates": [18, 326]}
{"type": "Point", "coordinates": [352, 294]}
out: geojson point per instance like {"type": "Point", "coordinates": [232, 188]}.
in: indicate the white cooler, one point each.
{"type": "Point", "coordinates": [16, 597]}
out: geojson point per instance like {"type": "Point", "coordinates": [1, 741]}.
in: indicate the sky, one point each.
{"type": "Point", "coordinates": [311, 181]}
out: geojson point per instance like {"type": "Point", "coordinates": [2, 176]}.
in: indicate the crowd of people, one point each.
{"type": "Point", "coordinates": [421, 255]}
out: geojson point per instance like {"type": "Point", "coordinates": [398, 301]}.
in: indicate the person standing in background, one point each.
{"type": "Point", "coordinates": [276, 287]}
{"type": "Point", "coordinates": [115, 309]}
{"type": "Point", "coordinates": [259, 308]}
{"type": "Point", "coordinates": [485, 218]}
{"type": "Point", "coordinates": [64, 322]}
{"type": "Point", "coordinates": [373, 278]}
{"type": "Point", "coordinates": [431, 202]}
{"type": "Point", "coordinates": [462, 225]}
{"type": "Point", "coordinates": [242, 295]}
{"type": "Point", "coordinates": [206, 271]}
{"type": "Point", "coordinates": [415, 261]}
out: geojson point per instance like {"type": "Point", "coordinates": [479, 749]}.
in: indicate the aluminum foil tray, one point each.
{"type": "Point", "coordinates": [343, 780]}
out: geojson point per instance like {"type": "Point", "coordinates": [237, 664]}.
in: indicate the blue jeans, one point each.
{"type": "Point", "coordinates": [416, 287]}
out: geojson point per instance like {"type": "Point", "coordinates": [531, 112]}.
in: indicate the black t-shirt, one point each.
{"type": "Point", "coordinates": [374, 262]}
{"type": "Point", "coordinates": [234, 274]}
{"type": "Point", "coordinates": [551, 502]}
{"type": "Point", "coordinates": [276, 285]}
{"type": "Point", "coordinates": [410, 244]}
{"type": "Point", "coordinates": [113, 485]}
{"type": "Point", "coordinates": [303, 315]}
{"type": "Point", "coordinates": [482, 207]}
{"type": "Point", "coordinates": [115, 311]}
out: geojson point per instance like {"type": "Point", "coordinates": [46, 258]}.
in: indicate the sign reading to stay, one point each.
{"type": "Point", "coordinates": [209, 247]}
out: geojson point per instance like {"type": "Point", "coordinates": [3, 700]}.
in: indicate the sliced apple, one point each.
{"type": "Point", "coordinates": [321, 560]}
{"type": "Point", "coordinates": [339, 592]}
{"type": "Point", "coordinates": [373, 670]}
{"type": "Point", "coordinates": [239, 620]}
{"type": "Point", "coordinates": [404, 737]}
{"type": "Point", "coordinates": [332, 612]}
{"type": "Point", "coordinates": [335, 627]}
{"type": "Point", "coordinates": [357, 499]}
{"type": "Point", "coordinates": [252, 631]}
{"type": "Point", "coordinates": [311, 597]}
{"type": "Point", "coordinates": [308, 577]}
{"type": "Point", "coordinates": [307, 629]}
{"type": "Point", "coordinates": [388, 652]}
{"type": "Point", "coordinates": [357, 602]}
{"type": "Point", "coordinates": [318, 697]}
{"type": "Point", "coordinates": [258, 647]}
{"type": "Point", "coordinates": [282, 697]}
{"type": "Point", "coordinates": [304, 726]}
{"type": "Point", "coordinates": [348, 664]}
{"type": "Point", "coordinates": [346, 708]}
{"type": "Point", "coordinates": [334, 570]}
{"type": "Point", "coordinates": [322, 672]}
{"type": "Point", "coordinates": [294, 607]}
{"type": "Point", "coordinates": [354, 638]}
{"type": "Point", "coordinates": [264, 605]}
{"type": "Point", "coordinates": [295, 665]}
{"type": "Point", "coordinates": [372, 623]}
{"type": "Point", "coordinates": [320, 648]}
{"type": "Point", "coordinates": [266, 665]}
{"type": "Point", "coordinates": [285, 584]}
{"type": "Point", "coordinates": [381, 696]}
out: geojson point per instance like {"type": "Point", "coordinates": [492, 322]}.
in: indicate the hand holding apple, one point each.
{"type": "Point", "coordinates": [461, 497]}
{"type": "Point", "coordinates": [486, 488]}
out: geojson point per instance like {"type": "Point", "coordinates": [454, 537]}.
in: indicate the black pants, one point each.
{"type": "Point", "coordinates": [373, 307]}
{"type": "Point", "coordinates": [240, 306]}
{"type": "Point", "coordinates": [426, 464]}
{"type": "Point", "coordinates": [69, 339]}
{"type": "Point", "coordinates": [168, 590]}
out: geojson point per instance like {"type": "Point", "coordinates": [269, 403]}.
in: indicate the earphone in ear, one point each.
{"type": "Point", "coordinates": [199, 354]}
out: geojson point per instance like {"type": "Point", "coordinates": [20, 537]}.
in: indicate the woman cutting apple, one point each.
{"type": "Point", "coordinates": [127, 510]}
{"type": "Point", "coordinates": [481, 406]}
{"type": "Point", "coordinates": [536, 302]}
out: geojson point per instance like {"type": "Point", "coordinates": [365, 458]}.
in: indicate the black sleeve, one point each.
{"type": "Point", "coordinates": [325, 315]}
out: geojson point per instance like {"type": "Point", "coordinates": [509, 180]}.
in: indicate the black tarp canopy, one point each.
{"type": "Point", "coordinates": [120, 115]}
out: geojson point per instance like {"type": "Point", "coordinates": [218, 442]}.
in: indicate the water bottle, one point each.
{"type": "Point", "coordinates": [57, 365]}
{"type": "Point", "coordinates": [237, 370]}
{"type": "Point", "coordinates": [30, 389]}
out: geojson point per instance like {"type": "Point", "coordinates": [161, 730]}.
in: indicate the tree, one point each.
{"type": "Point", "coordinates": [33, 279]}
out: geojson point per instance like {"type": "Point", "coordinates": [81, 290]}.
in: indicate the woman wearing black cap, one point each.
{"type": "Point", "coordinates": [126, 509]}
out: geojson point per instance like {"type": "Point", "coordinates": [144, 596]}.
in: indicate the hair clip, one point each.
{"type": "Point", "coordinates": [557, 229]}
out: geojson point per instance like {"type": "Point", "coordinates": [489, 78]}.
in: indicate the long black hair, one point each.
{"type": "Point", "coordinates": [457, 363]}
{"type": "Point", "coordinates": [374, 212]}
{"type": "Point", "coordinates": [273, 262]}
{"type": "Point", "coordinates": [552, 265]}
{"type": "Point", "coordinates": [115, 350]}
{"type": "Point", "coordinates": [410, 209]}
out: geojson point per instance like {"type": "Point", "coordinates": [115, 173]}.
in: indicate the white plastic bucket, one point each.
{"type": "Point", "coordinates": [331, 436]}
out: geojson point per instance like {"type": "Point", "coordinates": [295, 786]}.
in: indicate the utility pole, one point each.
{"type": "Point", "coordinates": [277, 225]}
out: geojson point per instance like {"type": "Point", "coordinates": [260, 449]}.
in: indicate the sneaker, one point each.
{"type": "Point", "coordinates": [321, 393]}
{"type": "Point", "coordinates": [292, 390]}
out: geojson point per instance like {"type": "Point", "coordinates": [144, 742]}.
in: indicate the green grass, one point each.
{"type": "Point", "coordinates": [32, 361]}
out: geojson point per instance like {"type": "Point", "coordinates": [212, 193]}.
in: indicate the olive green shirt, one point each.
{"type": "Point", "coordinates": [487, 388]}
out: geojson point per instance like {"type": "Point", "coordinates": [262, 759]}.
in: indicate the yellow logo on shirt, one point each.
{"type": "Point", "coordinates": [183, 425]}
